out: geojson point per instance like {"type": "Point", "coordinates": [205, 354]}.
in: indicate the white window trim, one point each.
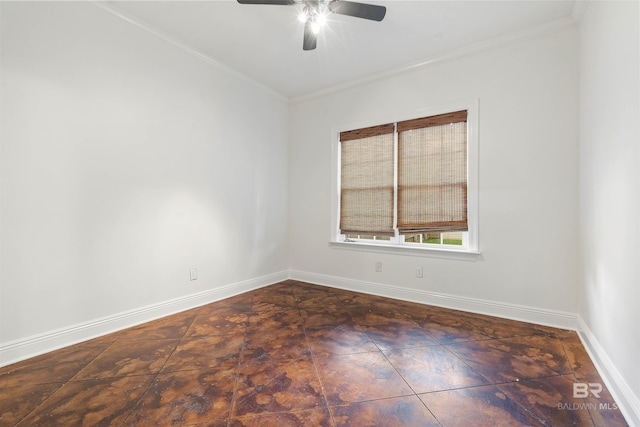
{"type": "Point", "coordinates": [472, 250]}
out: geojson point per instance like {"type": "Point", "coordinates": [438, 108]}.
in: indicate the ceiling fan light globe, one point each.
{"type": "Point", "coordinates": [321, 19]}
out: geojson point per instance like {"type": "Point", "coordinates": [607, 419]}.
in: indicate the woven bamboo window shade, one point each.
{"type": "Point", "coordinates": [367, 172]}
{"type": "Point", "coordinates": [432, 174]}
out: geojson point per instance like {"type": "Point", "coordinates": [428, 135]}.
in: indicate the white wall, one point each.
{"type": "Point", "coordinates": [126, 161]}
{"type": "Point", "coordinates": [528, 97]}
{"type": "Point", "coordinates": [609, 186]}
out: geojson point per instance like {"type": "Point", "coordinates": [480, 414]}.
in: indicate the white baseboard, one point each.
{"type": "Point", "coordinates": [627, 401]}
{"type": "Point", "coordinates": [557, 319]}
{"type": "Point", "coordinates": [15, 351]}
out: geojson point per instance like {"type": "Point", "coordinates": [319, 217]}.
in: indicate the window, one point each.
{"type": "Point", "coordinates": [406, 184]}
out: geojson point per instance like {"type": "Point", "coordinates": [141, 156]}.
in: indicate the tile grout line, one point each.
{"type": "Point", "coordinates": [155, 376]}
{"type": "Point", "coordinates": [514, 382]}
{"type": "Point", "coordinates": [404, 379]}
{"type": "Point", "coordinates": [315, 365]}
{"type": "Point", "coordinates": [237, 376]}
{"type": "Point", "coordinates": [64, 383]}
{"type": "Point", "coordinates": [41, 403]}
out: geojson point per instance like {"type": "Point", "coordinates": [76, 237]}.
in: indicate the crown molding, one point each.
{"type": "Point", "coordinates": [185, 47]}
{"type": "Point", "coordinates": [489, 44]}
{"type": "Point", "coordinates": [526, 34]}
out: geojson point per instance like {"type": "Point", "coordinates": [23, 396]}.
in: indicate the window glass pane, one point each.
{"type": "Point", "coordinates": [454, 238]}
{"type": "Point", "coordinates": [435, 238]}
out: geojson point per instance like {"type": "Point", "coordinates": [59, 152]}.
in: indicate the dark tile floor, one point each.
{"type": "Point", "coordinates": [295, 354]}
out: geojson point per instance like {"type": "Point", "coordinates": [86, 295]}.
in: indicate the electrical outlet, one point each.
{"type": "Point", "coordinates": [419, 271]}
{"type": "Point", "coordinates": [193, 274]}
{"type": "Point", "coordinates": [378, 266]}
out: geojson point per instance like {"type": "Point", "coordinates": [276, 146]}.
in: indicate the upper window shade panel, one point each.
{"type": "Point", "coordinates": [432, 174]}
{"type": "Point", "coordinates": [367, 181]}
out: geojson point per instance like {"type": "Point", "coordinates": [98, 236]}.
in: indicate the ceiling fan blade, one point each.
{"type": "Point", "coordinates": [310, 38]}
{"type": "Point", "coordinates": [359, 10]}
{"type": "Point", "coordinates": [277, 2]}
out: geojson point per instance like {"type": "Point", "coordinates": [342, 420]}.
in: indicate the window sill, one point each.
{"type": "Point", "coordinates": [444, 253]}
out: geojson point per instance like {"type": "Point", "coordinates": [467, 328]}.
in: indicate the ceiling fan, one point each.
{"type": "Point", "coordinates": [315, 13]}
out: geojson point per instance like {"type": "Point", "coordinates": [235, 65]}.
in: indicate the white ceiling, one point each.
{"type": "Point", "coordinates": [265, 41]}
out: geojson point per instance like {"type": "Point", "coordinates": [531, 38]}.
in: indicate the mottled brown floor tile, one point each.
{"type": "Point", "coordinates": [170, 327]}
{"type": "Point", "coordinates": [55, 367]}
{"type": "Point", "coordinates": [434, 368]}
{"type": "Point", "coordinates": [394, 412]}
{"type": "Point", "coordinates": [499, 361]}
{"type": "Point", "coordinates": [369, 299]}
{"type": "Point", "coordinates": [378, 312]}
{"type": "Point", "coordinates": [496, 327]}
{"type": "Point", "coordinates": [274, 318]}
{"type": "Point", "coordinates": [239, 303]}
{"type": "Point", "coordinates": [221, 310]}
{"type": "Point", "coordinates": [304, 289]}
{"type": "Point", "coordinates": [269, 307]}
{"type": "Point", "coordinates": [359, 377]}
{"type": "Point", "coordinates": [607, 414]}
{"type": "Point", "coordinates": [100, 342]}
{"type": "Point", "coordinates": [396, 334]}
{"type": "Point", "coordinates": [413, 312]}
{"type": "Point", "coordinates": [210, 325]}
{"type": "Point", "coordinates": [579, 360]}
{"type": "Point", "coordinates": [550, 400]}
{"type": "Point", "coordinates": [603, 409]}
{"type": "Point", "coordinates": [340, 339]}
{"type": "Point", "coordinates": [186, 397]}
{"type": "Point", "coordinates": [317, 318]}
{"type": "Point", "coordinates": [369, 317]}
{"type": "Point", "coordinates": [280, 288]}
{"type": "Point", "coordinates": [213, 423]}
{"type": "Point", "coordinates": [277, 385]}
{"type": "Point", "coordinates": [543, 349]}
{"type": "Point", "coordinates": [122, 358]}
{"type": "Point", "coordinates": [271, 290]}
{"type": "Point", "coordinates": [17, 402]}
{"type": "Point", "coordinates": [270, 295]}
{"type": "Point", "coordinates": [344, 294]}
{"type": "Point", "coordinates": [449, 328]}
{"type": "Point", "coordinates": [390, 308]}
{"type": "Point", "coordinates": [312, 417]}
{"type": "Point", "coordinates": [356, 309]}
{"type": "Point", "coordinates": [283, 301]}
{"type": "Point", "coordinates": [285, 342]}
{"type": "Point", "coordinates": [477, 406]}
{"type": "Point", "coordinates": [218, 351]}
{"type": "Point", "coordinates": [104, 402]}
{"type": "Point", "coordinates": [318, 301]}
